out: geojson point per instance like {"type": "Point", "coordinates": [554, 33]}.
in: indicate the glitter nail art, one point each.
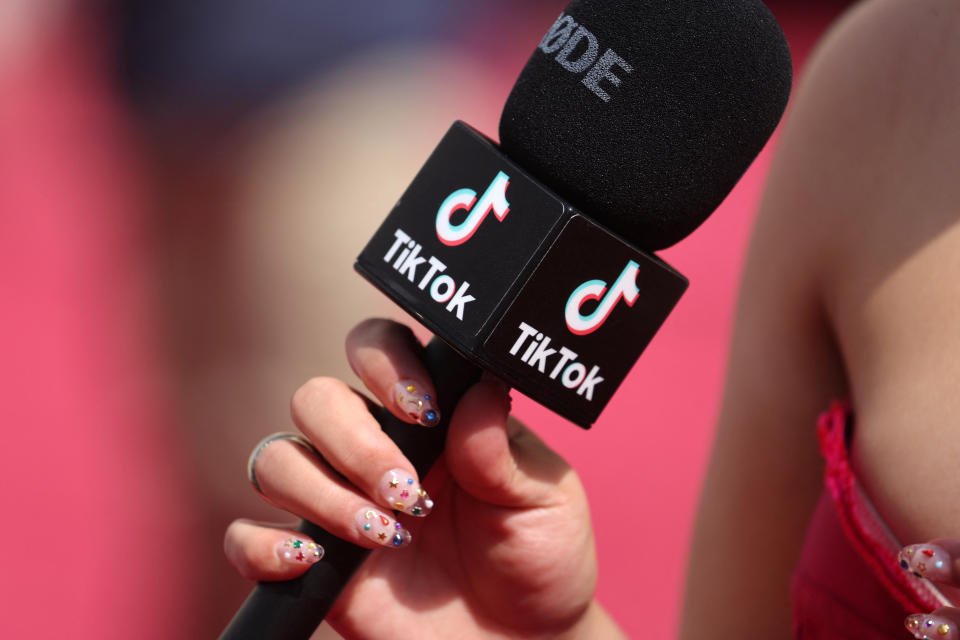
{"type": "Point", "coordinates": [417, 404]}
{"type": "Point", "coordinates": [402, 492]}
{"type": "Point", "coordinates": [299, 551]}
{"type": "Point", "coordinates": [930, 627]}
{"type": "Point", "coordinates": [926, 561]}
{"type": "Point", "coordinates": [381, 528]}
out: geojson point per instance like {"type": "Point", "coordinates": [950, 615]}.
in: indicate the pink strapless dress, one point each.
{"type": "Point", "coordinates": [848, 583]}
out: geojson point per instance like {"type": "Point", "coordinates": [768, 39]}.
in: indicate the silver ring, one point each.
{"type": "Point", "coordinates": [257, 450]}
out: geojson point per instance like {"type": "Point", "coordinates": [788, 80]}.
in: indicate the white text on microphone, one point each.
{"type": "Point", "coordinates": [406, 260]}
{"type": "Point", "coordinates": [563, 362]}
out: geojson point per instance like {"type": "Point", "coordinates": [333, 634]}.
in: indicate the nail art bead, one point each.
{"type": "Point", "coordinates": [926, 561]}
{"type": "Point", "coordinates": [393, 491]}
{"type": "Point", "coordinates": [376, 526]}
{"type": "Point", "coordinates": [417, 405]}
{"type": "Point", "coordinates": [923, 627]}
{"type": "Point", "coordinates": [299, 551]}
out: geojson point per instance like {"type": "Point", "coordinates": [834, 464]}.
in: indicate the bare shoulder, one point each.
{"type": "Point", "coordinates": [852, 286]}
{"type": "Point", "coordinates": [867, 166]}
{"type": "Point", "coordinates": [883, 117]}
{"type": "Point", "coordinates": [875, 117]}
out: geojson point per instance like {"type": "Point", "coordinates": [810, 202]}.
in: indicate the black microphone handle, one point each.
{"type": "Point", "coordinates": [293, 609]}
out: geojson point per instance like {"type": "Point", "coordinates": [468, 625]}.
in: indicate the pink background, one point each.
{"type": "Point", "coordinates": [99, 536]}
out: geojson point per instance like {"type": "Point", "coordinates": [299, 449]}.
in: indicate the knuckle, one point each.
{"type": "Point", "coordinates": [240, 552]}
{"type": "Point", "coordinates": [371, 325]}
{"type": "Point", "coordinates": [364, 332]}
{"type": "Point", "coordinates": [366, 448]}
{"type": "Point", "coordinates": [378, 331]}
{"type": "Point", "coordinates": [313, 393]}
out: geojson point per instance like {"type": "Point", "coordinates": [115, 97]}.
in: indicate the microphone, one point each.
{"type": "Point", "coordinates": [649, 152]}
{"type": "Point", "coordinates": [630, 123]}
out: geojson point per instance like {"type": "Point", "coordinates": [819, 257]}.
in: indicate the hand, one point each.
{"type": "Point", "coordinates": [504, 547]}
{"type": "Point", "coordinates": [939, 562]}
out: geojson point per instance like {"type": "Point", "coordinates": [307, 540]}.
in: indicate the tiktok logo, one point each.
{"type": "Point", "coordinates": [624, 287]}
{"type": "Point", "coordinates": [494, 198]}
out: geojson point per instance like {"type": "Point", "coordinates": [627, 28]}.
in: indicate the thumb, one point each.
{"type": "Point", "coordinates": [499, 460]}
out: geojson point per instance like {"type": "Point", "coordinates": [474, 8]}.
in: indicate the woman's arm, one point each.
{"type": "Point", "coordinates": [860, 191]}
{"type": "Point", "coordinates": [764, 475]}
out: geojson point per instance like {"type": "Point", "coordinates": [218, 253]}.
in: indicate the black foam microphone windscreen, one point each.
{"type": "Point", "coordinates": [644, 114]}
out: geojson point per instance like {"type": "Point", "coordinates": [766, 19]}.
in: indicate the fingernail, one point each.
{"type": "Point", "coordinates": [415, 403]}
{"type": "Point", "coordinates": [299, 551]}
{"type": "Point", "coordinates": [382, 529]}
{"type": "Point", "coordinates": [402, 492]}
{"type": "Point", "coordinates": [926, 561]}
{"type": "Point", "coordinates": [929, 627]}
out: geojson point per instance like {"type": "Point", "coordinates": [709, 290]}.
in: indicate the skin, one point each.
{"type": "Point", "coordinates": [507, 552]}
{"type": "Point", "coordinates": [848, 291]}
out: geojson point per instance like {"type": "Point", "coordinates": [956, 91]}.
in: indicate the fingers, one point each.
{"type": "Point", "coordinates": [942, 624]}
{"type": "Point", "coordinates": [936, 560]}
{"type": "Point", "coordinates": [264, 552]}
{"type": "Point", "coordinates": [385, 355]}
{"type": "Point", "coordinates": [295, 479]}
{"type": "Point", "coordinates": [336, 420]}
{"type": "Point", "coordinates": [357, 475]}
{"type": "Point", "coordinates": [497, 461]}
